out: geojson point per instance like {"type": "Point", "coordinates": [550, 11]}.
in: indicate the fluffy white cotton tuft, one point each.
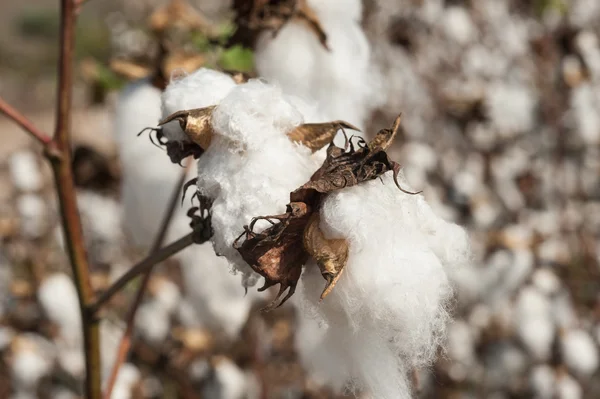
{"type": "Point", "coordinates": [58, 297]}
{"type": "Point", "coordinates": [388, 312]}
{"type": "Point", "coordinates": [199, 89]}
{"type": "Point", "coordinates": [251, 166]}
{"type": "Point", "coordinates": [148, 182]}
{"type": "Point", "coordinates": [580, 352]}
{"type": "Point", "coordinates": [343, 81]}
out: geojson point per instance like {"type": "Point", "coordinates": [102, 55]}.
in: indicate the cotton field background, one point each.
{"type": "Point", "coordinates": [485, 285]}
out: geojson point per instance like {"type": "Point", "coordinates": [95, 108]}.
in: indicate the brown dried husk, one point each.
{"type": "Point", "coordinates": [279, 252]}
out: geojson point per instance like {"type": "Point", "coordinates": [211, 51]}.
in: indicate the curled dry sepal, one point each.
{"type": "Point", "coordinates": [279, 252]}
{"type": "Point", "coordinates": [273, 15]}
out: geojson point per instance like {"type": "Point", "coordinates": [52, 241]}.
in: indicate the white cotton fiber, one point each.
{"type": "Point", "coordinates": [58, 297]}
{"type": "Point", "coordinates": [202, 88]}
{"type": "Point", "coordinates": [251, 166]}
{"type": "Point", "coordinates": [388, 312]}
{"type": "Point", "coordinates": [343, 80]}
{"type": "Point", "coordinates": [534, 323]}
{"type": "Point", "coordinates": [148, 174]}
{"type": "Point", "coordinates": [149, 178]}
{"type": "Point", "coordinates": [580, 352]}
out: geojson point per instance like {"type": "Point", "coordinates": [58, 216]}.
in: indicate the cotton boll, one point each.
{"type": "Point", "coordinates": [32, 358]}
{"type": "Point", "coordinates": [25, 171]}
{"type": "Point", "coordinates": [542, 382]}
{"type": "Point", "coordinates": [342, 80]}
{"type": "Point", "coordinates": [397, 310]}
{"type": "Point", "coordinates": [33, 212]}
{"type": "Point", "coordinates": [148, 175]}
{"type": "Point", "coordinates": [510, 108]}
{"type": "Point", "coordinates": [257, 105]}
{"type": "Point", "coordinates": [546, 281]}
{"type": "Point", "coordinates": [229, 382]}
{"type": "Point", "coordinates": [167, 294]}
{"type": "Point", "coordinates": [534, 323]}
{"type": "Point", "coordinates": [251, 165]}
{"type": "Point", "coordinates": [152, 322]}
{"type": "Point", "coordinates": [568, 388]}
{"type": "Point", "coordinates": [458, 25]}
{"type": "Point", "coordinates": [461, 343]}
{"type": "Point", "coordinates": [202, 88]}
{"type": "Point", "coordinates": [584, 105]}
{"type": "Point", "coordinates": [217, 296]}
{"type": "Point", "coordinates": [58, 297]}
{"type": "Point", "coordinates": [579, 352]}
{"type": "Point", "coordinates": [127, 377]}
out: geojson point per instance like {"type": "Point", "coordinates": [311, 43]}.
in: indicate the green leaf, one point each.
{"type": "Point", "coordinates": [237, 58]}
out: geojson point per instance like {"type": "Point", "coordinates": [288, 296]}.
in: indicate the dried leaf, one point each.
{"type": "Point", "coordinates": [317, 135]}
{"type": "Point", "coordinates": [196, 124]}
{"type": "Point", "coordinates": [330, 254]}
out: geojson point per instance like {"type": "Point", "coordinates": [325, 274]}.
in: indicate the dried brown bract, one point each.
{"type": "Point", "coordinates": [195, 123]}
{"type": "Point", "coordinates": [279, 252]}
{"type": "Point", "coordinates": [255, 16]}
{"type": "Point", "coordinates": [317, 135]}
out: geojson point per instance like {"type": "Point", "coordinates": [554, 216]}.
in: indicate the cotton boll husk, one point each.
{"type": "Point", "coordinates": [251, 166]}
{"type": "Point", "coordinates": [342, 80]}
{"type": "Point", "coordinates": [394, 291]}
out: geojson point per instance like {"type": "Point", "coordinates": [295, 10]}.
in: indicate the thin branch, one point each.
{"type": "Point", "coordinates": [125, 343]}
{"type": "Point", "coordinates": [140, 268]}
{"type": "Point", "coordinates": [65, 186]}
{"type": "Point", "coordinates": [25, 123]}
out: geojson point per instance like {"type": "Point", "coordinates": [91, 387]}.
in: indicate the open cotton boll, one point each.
{"type": "Point", "coordinates": [58, 297]}
{"type": "Point", "coordinates": [148, 181]}
{"type": "Point", "coordinates": [202, 88]}
{"type": "Point", "coordinates": [580, 352]}
{"type": "Point", "coordinates": [341, 80]}
{"type": "Point", "coordinates": [251, 165]}
{"type": "Point", "coordinates": [148, 175]}
{"type": "Point", "coordinates": [534, 323]}
{"type": "Point", "coordinates": [389, 308]}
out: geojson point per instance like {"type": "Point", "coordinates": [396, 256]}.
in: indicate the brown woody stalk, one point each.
{"type": "Point", "coordinates": [57, 150]}
{"type": "Point", "coordinates": [125, 343]}
{"type": "Point", "coordinates": [65, 187]}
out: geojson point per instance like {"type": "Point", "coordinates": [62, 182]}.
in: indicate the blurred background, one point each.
{"type": "Point", "coordinates": [501, 130]}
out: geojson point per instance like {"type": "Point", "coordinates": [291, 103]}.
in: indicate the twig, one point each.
{"type": "Point", "coordinates": [125, 343]}
{"type": "Point", "coordinates": [141, 267]}
{"type": "Point", "coordinates": [25, 123]}
{"type": "Point", "coordinates": [65, 186]}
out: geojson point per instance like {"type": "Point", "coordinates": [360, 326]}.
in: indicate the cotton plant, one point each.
{"type": "Point", "coordinates": [331, 66]}
{"type": "Point", "coordinates": [369, 256]}
{"type": "Point", "coordinates": [148, 181]}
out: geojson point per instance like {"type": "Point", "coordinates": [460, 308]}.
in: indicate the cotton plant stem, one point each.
{"type": "Point", "coordinates": [22, 121]}
{"type": "Point", "coordinates": [65, 187]}
{"type": "Point", "coordinates": [141, 267]}
{"type": "Point", "coordinates": [125, 343]}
